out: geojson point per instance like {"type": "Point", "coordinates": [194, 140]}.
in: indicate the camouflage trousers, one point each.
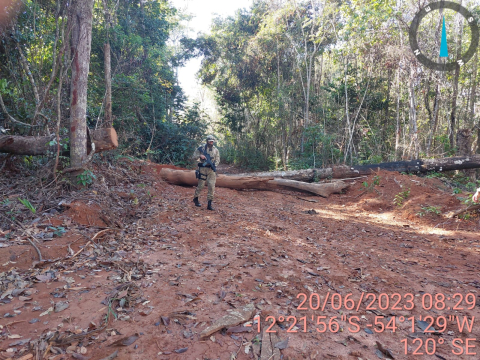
{"type": "Point", "coordinates": [211, 179]}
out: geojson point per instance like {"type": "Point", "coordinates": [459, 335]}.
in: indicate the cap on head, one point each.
{"type": "Point", "coordinates": [210, 138]}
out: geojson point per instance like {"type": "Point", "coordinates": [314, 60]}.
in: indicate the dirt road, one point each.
{"type": "Point", "coordinates": [347, 275]}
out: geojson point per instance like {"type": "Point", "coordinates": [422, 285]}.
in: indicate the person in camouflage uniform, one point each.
{"type": "Point", "coordinates": [206, 171]}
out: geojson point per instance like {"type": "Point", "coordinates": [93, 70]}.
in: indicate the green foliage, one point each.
{"type": "Point", "coordinates": [434, 175]}
{"type": "Point", "coordinates": [246, 155]}
{"type": "Point", "coordinates": [319, 150]}
{"type": "Point", "coordinates": [465, 216]}
{"type": "Point", "coordinates": [28, 205]}
{"type": "Point", "coordinates": [86, 178]}
{"type": "Point", "coordinates": [401, 197]}
{"type": "Point", "coordinates": [429, 210]}
{"type": "Point", "coordinates": [145, 93]}
{"type": "Point", "coordinates": [375, 182]}
{"type": "Point", "coordinates": [175, 142]}
{"type": "Point", "coordinates": [256, 340]}
{"type": "Point", "coordinates": [58, 231]}
{"type": "Point", "coordinates": [444, 141]}
{"type": "Point", "coordinates": [3, 86]}
{"type": "Point", "coordinates": [471, 186]}
{"type": "Point", "coordinates": [297, 84]}
{"type": "Point", "coordinates": [467, 200]}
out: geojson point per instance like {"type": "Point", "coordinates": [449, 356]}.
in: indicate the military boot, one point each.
{"type": "Point", "coordinates": [195, 200]}
{"type": "Point", "coordinates": [209, 207]}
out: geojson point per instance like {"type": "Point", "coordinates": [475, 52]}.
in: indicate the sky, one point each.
{"type": "Point", "coordinates": [203, 12]}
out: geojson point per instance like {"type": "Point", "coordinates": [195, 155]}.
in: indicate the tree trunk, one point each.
{"type": "Point", "coordinates": [33, 145]}
{"type": "Point", "coordinates": [187, 177]}
{"type": "Point", "coordinates": [347, 114]}
{"type": "Point", "coordinates": [384, 127]}
{"type": "Point", "coordinates": [397, 127]}
{"type": "Point", "coordinates": [473, 93]}
{"type": "Point", "coordinates": [342, 172]}
{"type": "Point", "coordinates": [434, 123]}
{"type": "Point", "coordinates": [108, 85]}
{"type": "Point", "coordinates": [108, 69]}
{"type": "Point", "coordinates": [26, 145]}
{"type": "Point", "coordinates": [464, 148]}
{"type": "Point", "coordinates": [81, 46]}
{"type": "Point", "coordinates": [451, 129]}
{"type": "Point", "coordinates": [413, 113]}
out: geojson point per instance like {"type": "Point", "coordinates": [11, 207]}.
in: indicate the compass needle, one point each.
{"type": "Point", "coordinates": [443, 43]}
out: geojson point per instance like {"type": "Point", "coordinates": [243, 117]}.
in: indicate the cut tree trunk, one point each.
{"type": "Point", "coordinates": [187, 177]}
{"type": "Point", "coordinates": [106, 139]}
{"type": "Point", "coordinates": [342, 172]}
{"type": "Point", "coordinates": [81, 46]}
{"type": "Point", "coordinates": [26, 145]}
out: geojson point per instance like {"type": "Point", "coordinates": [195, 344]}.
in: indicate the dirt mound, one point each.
{"type": "Point", "coordinates": [419, 199]}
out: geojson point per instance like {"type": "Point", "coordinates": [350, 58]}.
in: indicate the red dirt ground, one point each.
{"type": "Point", "coordinates": [265, 248]}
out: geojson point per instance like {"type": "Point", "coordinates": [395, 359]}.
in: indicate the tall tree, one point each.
{"type": "Point", "coordinates": [108, 68]}
{"type": "Point", "coordinates": [82, 16]}
{"type": "Point", "coordinates": [453, 114]}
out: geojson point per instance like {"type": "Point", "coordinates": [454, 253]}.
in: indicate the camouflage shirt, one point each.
{"type": "Point", "coordinates": [214, 155]}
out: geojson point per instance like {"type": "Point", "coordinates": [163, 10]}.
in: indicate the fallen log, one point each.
{"type": "Point", "coordinates": [104, 139]}
{"type": "Point", "coordinates": [187, 177]}
{"type": "Point", "coordinates": [342, 171]}
{"type": "Point", "coordinates": [26, 145]}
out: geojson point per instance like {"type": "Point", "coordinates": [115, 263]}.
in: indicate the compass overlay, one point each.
{"type": "Point", "coordinates": [472, 22]}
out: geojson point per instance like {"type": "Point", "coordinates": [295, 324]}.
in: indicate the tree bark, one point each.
{"type": "Point", "coordinates": [26, 145]}
{"type": "Point", "coordinates": [108, 69]}
{"type": "Point", "coordinates": [413, 113]}
{"type": "Point", "coordinates": [473, 93]}
{"type": "Point", "coordinates": [342, 172]}
{"type": "Point", "coordinates": [81, 47]}
{"type": "Point", "coordinates": [108, 85]}
{"type": "Point", "coordinates": [397, 127]}
{"type": "Point", "coordinates": [384, 127]}
{"type": "Point", "coordinates": [464, 148]}
{"type": "Point", "coordinates": [451, 129]}
{"type": "Point", "coordinates": [33, 145]}
{"type": "Point", "coordinates": [187, 177]}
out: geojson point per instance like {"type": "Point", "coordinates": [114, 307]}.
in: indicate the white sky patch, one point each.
{"type": "Point", "coordinates": [203, 12]}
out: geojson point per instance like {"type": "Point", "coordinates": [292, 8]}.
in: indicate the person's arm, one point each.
{"type": "Point", "coordinates": [196, 155]}
{"type": "Point", "coordinates": [476, 196]}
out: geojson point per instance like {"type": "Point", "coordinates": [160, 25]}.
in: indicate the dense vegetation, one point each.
{"type": "Point", "coordinates": [306, 83]}
{"type": "Point", "coordinates": [298, 84]}
{"type": "Point", "coordinates": [149, 111]}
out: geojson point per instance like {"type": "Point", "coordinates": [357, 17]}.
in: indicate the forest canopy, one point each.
{"type": "Point", "coordinates": [307, 83]}
{"type": "Point", "coordinates": [297, 83]}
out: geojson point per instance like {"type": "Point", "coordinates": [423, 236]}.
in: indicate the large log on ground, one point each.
{"type": "Point", "coordinates": [341, 171]}
{"type": "Point", "coordinates": [105, 139]}
{"type": "Point", "coordinates": [187, 177]}
{"type": "Point", "coordinates": [26, 145]}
